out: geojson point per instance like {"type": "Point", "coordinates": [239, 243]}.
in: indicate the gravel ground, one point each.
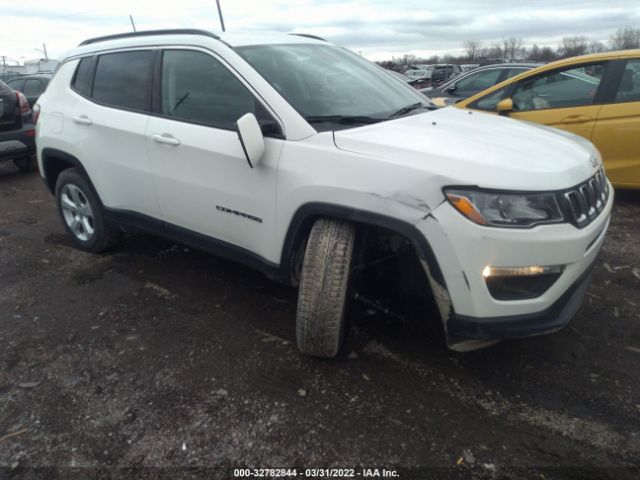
{"type": "Point", "coordinates": [158, 361]}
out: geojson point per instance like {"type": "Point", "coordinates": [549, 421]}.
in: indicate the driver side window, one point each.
{"type": "Point", "coordinates": [569, 87]}
{"type": "Point", "coordinates": [198, 88]}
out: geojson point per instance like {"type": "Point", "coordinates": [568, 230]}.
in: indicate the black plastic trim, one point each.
{"type": "Point", "coordinates": [136, 222]}
{"type": "Point", "coordinates": [147, 33]}
{"type": "Point", "coordinates": [555, 317]}
{"type": "Point", "coordinates": [244, 148]}
{"type": "Point", "coordinates": [48, 153]}
{"type": "Point", "coordinates": [305, 216]}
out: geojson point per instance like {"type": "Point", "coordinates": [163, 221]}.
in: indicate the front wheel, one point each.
{"type": "Point", "coordinates": [82, 213]}
{"type": "Point", "coordinates": [320, 320]}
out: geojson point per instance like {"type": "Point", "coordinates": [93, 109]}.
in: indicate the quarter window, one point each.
{"type": "Point", "coordinates": [572, 87]}
{"type": "Point", "coordinates": [629, 88]}
{"type": "Point", "coordinates": [198, 88]}
{"type": "Point", "coordinates": [81, 79]}
{"type": "Point", "coordinates": [124, 80]}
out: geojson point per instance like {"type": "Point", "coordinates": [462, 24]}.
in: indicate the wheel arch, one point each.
{"type": "Point", "coordinates": [307, 214]}
{"type": "Point", "coordinates": [54, 161]}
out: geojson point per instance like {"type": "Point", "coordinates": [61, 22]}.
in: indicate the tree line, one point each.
{"type": "Point", "coordinates": [513, 49]}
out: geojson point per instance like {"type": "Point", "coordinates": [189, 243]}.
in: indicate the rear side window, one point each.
{"type": "Point", "coordinates": [123, 80]}
{"type": "Point", "coordinates": [82, 80]}
{"type": "Point", "coordinates": [33, 87]}
{"type": "Point", "coordinates": [17, 84]}
{"type": "Point", "coordinates": [198, 88]}
{"type": "Point", "coordinates": [629, 88]}
{"type": "Point", "coordinates": [479, 81]}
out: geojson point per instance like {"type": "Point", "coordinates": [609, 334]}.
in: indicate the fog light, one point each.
{"type": "Point", "coordinates": [520, 283]}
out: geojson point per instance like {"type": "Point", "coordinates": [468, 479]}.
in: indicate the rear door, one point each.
{"type": "Point", "coordinates": [567, 98]}
{"type": "Point", "coordinates": [108, 124]}
{"type": "Point", "coordinates": [617, 130]}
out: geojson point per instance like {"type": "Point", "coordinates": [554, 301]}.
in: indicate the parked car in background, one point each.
{"type": "Point", "coordinates": [32, 86]}
{"type": "Point", "coordinates": [417, 83]}
{"type": "Point", "coordinates": [465, 67]}
{"type": "Point", "coordinates": [416, 74]}
{"type": "Point", "coordinates": [442, 72]}
{"type": "Point", "coordinates": [595, 96]}
{"type": "Point", "coordinates": [475, 81]}
{"type": "Point", "coordinates": [491, 61]}
{"type": "Point", "coordinates": [17, 131]}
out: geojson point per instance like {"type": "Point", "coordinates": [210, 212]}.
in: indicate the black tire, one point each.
{"type": "Point", "coordinates": [103, 237]}
{"type": "Point", "coordinates": [320, 323]}
{"type": "Point", "coordinates": [26, 164]}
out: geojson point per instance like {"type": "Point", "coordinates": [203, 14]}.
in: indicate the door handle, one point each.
{"type": "Point", "coordinates": [576, 119]}
{"type": "Point", "coordinates": [83, 120]}
{"type": "Point", "coordinates": [166, 138]}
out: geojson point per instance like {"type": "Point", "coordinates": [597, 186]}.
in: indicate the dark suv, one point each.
{"type": "Point", "coordinates": [31, 85]}
{"type": "Point", "coordinates": [17, 129]}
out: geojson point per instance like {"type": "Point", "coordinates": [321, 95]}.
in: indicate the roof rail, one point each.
{"type": "Point", "coordinates": [145, 33]}
{"type": "Point", "coordinates": [307, 35]}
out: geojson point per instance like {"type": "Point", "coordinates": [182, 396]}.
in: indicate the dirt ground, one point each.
{"type": "Point", "coordinates": [158, 361]}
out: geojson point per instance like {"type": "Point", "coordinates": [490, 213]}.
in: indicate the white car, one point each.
{"type": "Point", "coordinates": [291, 154]}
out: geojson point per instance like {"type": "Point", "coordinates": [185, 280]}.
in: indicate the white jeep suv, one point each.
{"type": "Point", "coordinates": [291, 154]}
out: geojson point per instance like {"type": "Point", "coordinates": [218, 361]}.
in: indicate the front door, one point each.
{"type": "Point", "coordinates": [617, 131]}
{"type": "Point", "coordinates": [203, 180]}
{"type": "Point", "coordinates": [564, 98]}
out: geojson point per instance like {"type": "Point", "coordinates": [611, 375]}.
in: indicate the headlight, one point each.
{"type": "Point", "coordinates": [505, 209]}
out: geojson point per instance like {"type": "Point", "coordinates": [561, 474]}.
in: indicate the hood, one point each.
{"type": "Point", "coordinates": [461, 147]}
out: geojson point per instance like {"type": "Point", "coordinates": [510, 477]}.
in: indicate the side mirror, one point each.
{"type": "Point", "coordinates": [451, 89]}
{"type": "Point", "coordinates": [251, 138]}
{"type": "Point", "coordinates": [504, 106]}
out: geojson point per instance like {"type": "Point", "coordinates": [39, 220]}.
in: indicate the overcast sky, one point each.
{"type": "Point", "coordinates": [377, 28]}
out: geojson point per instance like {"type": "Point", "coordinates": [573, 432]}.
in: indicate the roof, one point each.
{"type": "Point", "coordinates": [186, 36]}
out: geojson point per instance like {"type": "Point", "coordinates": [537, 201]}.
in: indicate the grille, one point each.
{"type": "Point", "coordinates": [584, 202]}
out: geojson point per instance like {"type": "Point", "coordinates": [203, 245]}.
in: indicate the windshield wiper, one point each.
{"type": "Point", "coordinates": [343, 119]}
{"type": "Point", "coordinates": [409, 108]}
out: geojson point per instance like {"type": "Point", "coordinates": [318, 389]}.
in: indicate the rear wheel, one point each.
{"type": "Point", "coordinates": [26, 164]}
{"type": "Point", "coordinates": [320, 323]}
{"type": "Point", "coordinates": [82, 213]}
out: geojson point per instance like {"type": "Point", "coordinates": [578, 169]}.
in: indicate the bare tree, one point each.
{"type": "Point", "coordinates": [473, 48]}
{"type": "Point", "coordinates": [494, 51]}
{"type": "Point", "coordinates": [512, 48]}
{"type": "Point", "coordinates": [626, 38]}
{"type": "Point", "coordinates": [409, 59]}
{"type": "Point", "coordinates": [573, 46]}
{"type": "Point", "coordinates": [596, 47]}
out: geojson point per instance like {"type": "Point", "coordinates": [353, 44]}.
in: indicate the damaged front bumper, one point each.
{"type": "Point", "coordinates": [472, 317]}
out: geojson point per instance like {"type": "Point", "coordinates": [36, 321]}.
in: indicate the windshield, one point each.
{"type": "Point", "coordinates": [332, 86]}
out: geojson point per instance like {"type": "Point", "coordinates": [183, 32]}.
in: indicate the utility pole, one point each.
{"type": "Point", "coordinates": [132, 23]}
{"type": "Point", "coordinates": [220, 15]}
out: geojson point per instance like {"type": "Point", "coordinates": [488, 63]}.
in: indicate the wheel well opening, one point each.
{"type": "Point", "coordinates": [387, 274]}
{"type": "Point", "coordinates": [52, 167]}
